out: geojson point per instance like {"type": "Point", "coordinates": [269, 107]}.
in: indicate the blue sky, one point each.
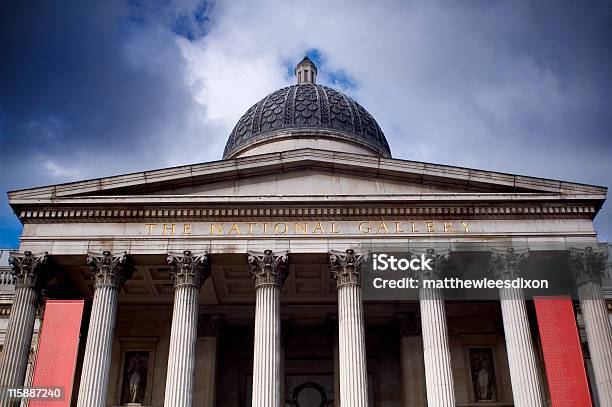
{"type": "Point", "coordinates": [97, 88]}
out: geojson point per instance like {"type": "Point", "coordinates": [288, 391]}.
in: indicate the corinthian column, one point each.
{"type": "Point", "coordinates": [587, 266]}
{"type": "Point", "coordinates": [189, 273]}
{"type": "Point", "coordinates": [27, 270]}
{"type": "Point", "coordinates": [526, 390]}
{"type": "Point", "coordinates": [110, 273]}
{"type": "Point", "coordinates": [436, 352]}
{"type": "Point", "coordinates": [346, 270]}
{"type": "Point", "coordinates": [269, 271]}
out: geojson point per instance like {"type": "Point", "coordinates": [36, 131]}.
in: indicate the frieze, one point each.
{"type": "Point", "coordinates": [273, 227]}
{"type": "Point", "coordinates": [305, 228]}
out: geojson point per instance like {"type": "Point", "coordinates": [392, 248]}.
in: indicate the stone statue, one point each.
{"type": "Point", "coordinates": [135, 381]}
{"type": "Point", "coordinates": [483, 377]}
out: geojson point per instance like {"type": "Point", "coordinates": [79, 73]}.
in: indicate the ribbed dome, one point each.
{"type": "Point", "coordinates": [306, 110]}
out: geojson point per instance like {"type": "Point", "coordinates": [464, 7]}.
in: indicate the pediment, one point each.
{"type": "Point", "coordinates": [307, 182]}
{"type": "Point", "coordinates": [307, 172]}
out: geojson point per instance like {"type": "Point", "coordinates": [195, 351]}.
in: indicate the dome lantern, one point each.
{"type": "Point", "coordinates": [306, 71]}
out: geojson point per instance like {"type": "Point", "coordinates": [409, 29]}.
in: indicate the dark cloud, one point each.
{"type": "Point", "coordinates": [97, 88]}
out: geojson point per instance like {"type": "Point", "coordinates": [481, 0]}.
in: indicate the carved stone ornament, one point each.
{"type": "Point", "coordinates": [346, 267]}
{"type": "Point", "coordinates": [588, 264]}
{"type": "Point", "coordinates": [507, 264]}
{"type": "Point", "coordinates": [110, 270]}
{"type": "Point", "coordinates": [268, 268]}
{"type": "Point", "coordinates": [437, 261]}
{"type": "Point", "coordinates": [27, 268]}
{"type": "Point", "coordinates": [189, 269]}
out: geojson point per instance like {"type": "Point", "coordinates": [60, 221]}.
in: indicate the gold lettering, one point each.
{"type": "Point", "coordinates": [431, 227]}
{"type": "Point", "coordinates": [234, 229]}
{"type": "Point", "coordinates": [166, 228]}
{"type": "Point", "coordinates": [366, 230]}
{"type": "Point", "coordinates": [398, 227]}
{"type": "Point", "coordinates": [303, 227]}
{"type": "Point", "coordinates": [333, 224]}
{"type": "Point", "coordinates": [448, 227]}
{"type": "Point", "coordinates": [413, 226]}
{"type": "Point", "coordinates": [151, 226]}
{"type": "Point", "coordinates": [278, 230]}
{"type": "Point", "coordinates": [466, 226]}
{"type": "Point", "coordinates": [382, 226]}
{"type": "Point", "coordinates": [186, 228]}
{"type": "Point", "coordinates": [251, 227]}
{"type": "Point", "coordinates": [318, 228]}
{"type": "Point", "coordinates": [216, 229]}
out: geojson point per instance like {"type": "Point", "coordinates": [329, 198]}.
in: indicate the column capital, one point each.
{"type": "Point", "coordinates": [188, 269]}
{"type": "Point", "coordinates": [268, 268]}
{"type": "Point", "coordinates": [588, 264]}
{"type": "Point", "coordinates": [109, 269]}
{"type": "Point", "coordinates": [409, 324]}
{"type": "Point", "coordinates": [346, 267]}
{"type": "Point", "coordinates": [507, 264]}
{"type": "Point", "coordinates": [27, 268]}
{"type": "Point", "coordinates": [437, 261]}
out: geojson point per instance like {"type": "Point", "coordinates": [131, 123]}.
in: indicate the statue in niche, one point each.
{"type": "Point", "coordinates": [134, 377]}
{"type": "Point", "coordinates": [483, 374]}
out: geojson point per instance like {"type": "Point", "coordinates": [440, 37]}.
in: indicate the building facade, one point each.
{"type": "Point", "coordinates": [239, 282]}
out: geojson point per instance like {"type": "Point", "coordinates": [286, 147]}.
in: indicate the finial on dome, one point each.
{"type": "Point", "coordinates": [306, 71]}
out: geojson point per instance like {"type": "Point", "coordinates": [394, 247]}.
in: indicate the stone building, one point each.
{"type": "Point", "coordinates": [238, 282]}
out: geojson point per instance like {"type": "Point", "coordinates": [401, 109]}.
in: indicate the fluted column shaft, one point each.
{"type": "Point", "coordinates": [269, 271]}
{"type": "Point", "coordinates": [181, 358]}
{"type": "Point", "coordinates": [189, 273]}
{"type": "Point", "coordinates": [436, 351]}
{"type": "Point", "coordinates": [26, 270]}
{"type": "Point", "coordinates": [526, 388]}
{"type": "Point", "coordinates": [97, 360]}
{"type": "Point", "coordinates": [587, 267]}
{"type": "Point", "coordinates": [599, 336]}
{"type": "Point", "coordinates": [346, 269]}
{"type": "Point", "coordinates": [18, 338]}
{"type": "Point", "coordinates": [351, 336]}
{"type": "Point", "coordinates": [110, 273]}
{"type": "Point", "coordinates": [266, 358]}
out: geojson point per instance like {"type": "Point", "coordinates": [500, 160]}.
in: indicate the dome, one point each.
{"type": "Point", "coordinates": [307, 111]}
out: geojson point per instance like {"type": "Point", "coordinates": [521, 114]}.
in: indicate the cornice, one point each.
{"type": "Point", "coordinates": [272, 163]}
{"type": "Point", "coordinates": [333, 210]}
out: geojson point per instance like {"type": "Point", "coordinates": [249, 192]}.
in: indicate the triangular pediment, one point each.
{"type": "Point", "coordinates": [307, 172]}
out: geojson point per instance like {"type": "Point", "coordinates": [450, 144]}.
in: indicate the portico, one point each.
{"type": "Point", "coordinates": [240, 282]}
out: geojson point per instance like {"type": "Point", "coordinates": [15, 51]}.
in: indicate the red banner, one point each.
{"type": "Point", "coordinates": [57, 350]}
{"type": "Point", "coordinates": [567, 380]}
